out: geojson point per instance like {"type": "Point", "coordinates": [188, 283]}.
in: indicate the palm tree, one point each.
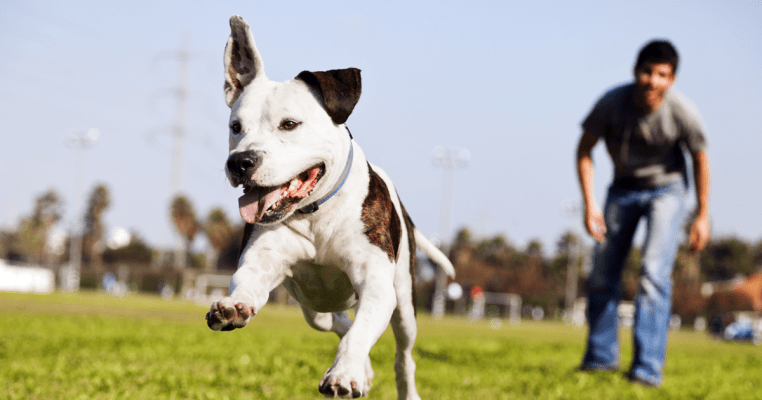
{"type": "Point", "coordinates": [100, 200]}
{"type": "Point", "coordinates": [219, 232]}
{"type": "Point", "coordinates": [31, 239]}
{"type": "Point", "coordinates": [569, 244]}
{"type": "Point", "coordinates": [185, 221]}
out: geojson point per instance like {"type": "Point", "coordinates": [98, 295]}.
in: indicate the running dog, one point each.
{"type": "Point", "coordinates": [320, 219]}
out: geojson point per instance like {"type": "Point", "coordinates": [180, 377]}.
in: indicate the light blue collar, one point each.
{"type": "Point", "coordinates": [312, 207]}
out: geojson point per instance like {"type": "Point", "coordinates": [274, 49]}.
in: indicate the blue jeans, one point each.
{"type": "Point", "coordinates": [664, 210]}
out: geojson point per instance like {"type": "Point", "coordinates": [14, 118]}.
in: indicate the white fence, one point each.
{"type": "Point", "coordinates": [512, 302]}
{"type": "Point", "coordinates": [26, 279]}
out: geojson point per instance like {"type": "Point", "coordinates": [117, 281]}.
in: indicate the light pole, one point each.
{"type": "Point", "coordinates": [449, 160]}
{"type": "Point", "coordinates": [573, 210]}
{"type": "Point", "coordinates": [79, 140]}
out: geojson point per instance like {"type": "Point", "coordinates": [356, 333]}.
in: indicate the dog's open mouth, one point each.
{"type": "Point", "coordinates": [263, 204]}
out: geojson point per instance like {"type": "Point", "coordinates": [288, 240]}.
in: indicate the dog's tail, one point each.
{"type": "Point", "coordinates": [434, 253]}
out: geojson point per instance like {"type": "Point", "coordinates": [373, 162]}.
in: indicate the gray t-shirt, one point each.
{"type": "Point", "coordinates": [646, 149]}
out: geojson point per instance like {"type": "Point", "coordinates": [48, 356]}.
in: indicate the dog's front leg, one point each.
{"type": "Point", "coordinates": [262, 267]}
{"type": "Point", "coordinates": [347, 377]}
{"type": "Point", "coordinates": [249, 290]}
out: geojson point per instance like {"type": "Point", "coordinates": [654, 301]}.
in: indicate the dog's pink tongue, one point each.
{"type": "Point", "coordinates": [254, 203]}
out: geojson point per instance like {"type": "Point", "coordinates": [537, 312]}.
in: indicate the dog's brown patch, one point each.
{"type": "Point", "coordinates": [382, 224]}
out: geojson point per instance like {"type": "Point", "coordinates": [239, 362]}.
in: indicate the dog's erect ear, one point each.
{"type": "Point", "coordinates": [340, 89]}
{"type": "Point", "coordinates": [243, 63]}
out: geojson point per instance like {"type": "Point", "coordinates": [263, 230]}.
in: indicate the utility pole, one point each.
{"type": "Point", "coordinates": [449, 160]}
{"type": "Point", "coordinates": [181, 93]}
{"type": "Point", "coordinates": [81, 141]}
{"type": "Point", "coordinates": [178, 131]}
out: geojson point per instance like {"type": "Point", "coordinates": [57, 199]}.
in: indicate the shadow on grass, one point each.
{"type": "Point", "coordinates": [430, 355]}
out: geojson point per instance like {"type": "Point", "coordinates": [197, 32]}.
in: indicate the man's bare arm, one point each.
{"type": "Point", "coordinates": [594, 221]}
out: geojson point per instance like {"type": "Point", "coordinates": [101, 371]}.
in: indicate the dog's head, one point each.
{"type": "Point", "coordinates": [288, 142]}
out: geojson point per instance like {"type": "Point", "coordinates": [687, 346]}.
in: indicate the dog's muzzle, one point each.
{"type": "Point", "coordinates": [268, 203]}
{"type": "Point", "coordinates": [241, 166]}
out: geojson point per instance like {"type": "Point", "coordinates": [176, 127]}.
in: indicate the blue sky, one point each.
{"type": "Point", "coordinates": [509, 81]}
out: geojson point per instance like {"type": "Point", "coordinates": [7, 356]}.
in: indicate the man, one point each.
{"type": "Point", "coordinates": [645, 126]}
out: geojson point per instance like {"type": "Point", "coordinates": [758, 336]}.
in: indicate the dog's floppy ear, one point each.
{"type": "Point", "coordinates": [243, 64]}
{"type": "Point", "coordinates": [340, 89]}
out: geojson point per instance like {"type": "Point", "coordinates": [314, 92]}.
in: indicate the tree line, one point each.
{"type": "Point", "coordinates": [494, 263]}
{"type": "Point", "coordinates": [497, 265]}
{"type": "Point", "coordinates": [31, 240]}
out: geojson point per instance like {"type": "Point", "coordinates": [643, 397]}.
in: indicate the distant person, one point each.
{"type": "Point", "coordinates": [646, 127]}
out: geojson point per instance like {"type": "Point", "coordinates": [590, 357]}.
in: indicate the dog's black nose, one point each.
{"type": "Point", "coordinates": [241, 165]}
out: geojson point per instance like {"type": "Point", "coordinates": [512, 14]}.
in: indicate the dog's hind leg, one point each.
{"type": "Point", "coordinates": [405, 331]}
{"type": "Point", "coordinates": [338, 323]}
{"type": "Point", "coordinates": [328, 322]}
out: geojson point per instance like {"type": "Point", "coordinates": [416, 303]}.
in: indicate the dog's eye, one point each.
{"type": "Point", "coordinates": [288, 125]}
{"type": "Point", "coordinates": [235, 127]}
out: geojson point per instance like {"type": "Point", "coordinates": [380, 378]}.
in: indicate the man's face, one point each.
{"type": "Point", "coordinates": [653, 80]}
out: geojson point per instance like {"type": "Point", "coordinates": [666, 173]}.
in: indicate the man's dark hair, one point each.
{"type": "Point", "coordinates": [658, 52]}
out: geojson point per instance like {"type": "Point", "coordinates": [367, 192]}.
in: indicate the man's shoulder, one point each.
{"type": "Point", "coordinates": [686, 115]}
{"type": "Point", "coordinates": [608, 109]}
{"type": "Point", "coordinates": [681, 106]}
{"type": "Point", "coordinates": [620, 90]}
{"type": "Point", "coordinates": [617, 95]}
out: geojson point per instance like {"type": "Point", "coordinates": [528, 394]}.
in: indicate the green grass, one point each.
{"type": "Point", "coordinates": [92, 346]}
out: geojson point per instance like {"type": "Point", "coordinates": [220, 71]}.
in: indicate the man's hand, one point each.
{"type": "Point", "coordinates": [699, 234]}
{"type": "Point", "coordinates": [595, 223]}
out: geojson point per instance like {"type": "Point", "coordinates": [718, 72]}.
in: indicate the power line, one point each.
{"type": "Point", "coordinates": [105, 40]}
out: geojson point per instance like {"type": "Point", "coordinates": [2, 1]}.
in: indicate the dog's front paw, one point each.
{"type": "Point", "coordinates": [225, 315]}
{"type": "Point", "coordinates": [345, 385]}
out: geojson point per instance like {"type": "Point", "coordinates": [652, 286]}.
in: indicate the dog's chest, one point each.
{"type": "Point", "coordinates": [322, 288]}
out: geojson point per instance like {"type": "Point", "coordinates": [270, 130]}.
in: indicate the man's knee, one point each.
{"type": "Point", "coordinates": [655, 287]}
{"type": "Point", "coordinates": [605, 275]}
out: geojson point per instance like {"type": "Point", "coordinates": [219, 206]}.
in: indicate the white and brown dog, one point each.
{"type": "Point", "coordinates": [320, 219]}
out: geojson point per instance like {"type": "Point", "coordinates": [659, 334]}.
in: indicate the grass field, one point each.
{"type": "Point", "coordinates": [92, 346]}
